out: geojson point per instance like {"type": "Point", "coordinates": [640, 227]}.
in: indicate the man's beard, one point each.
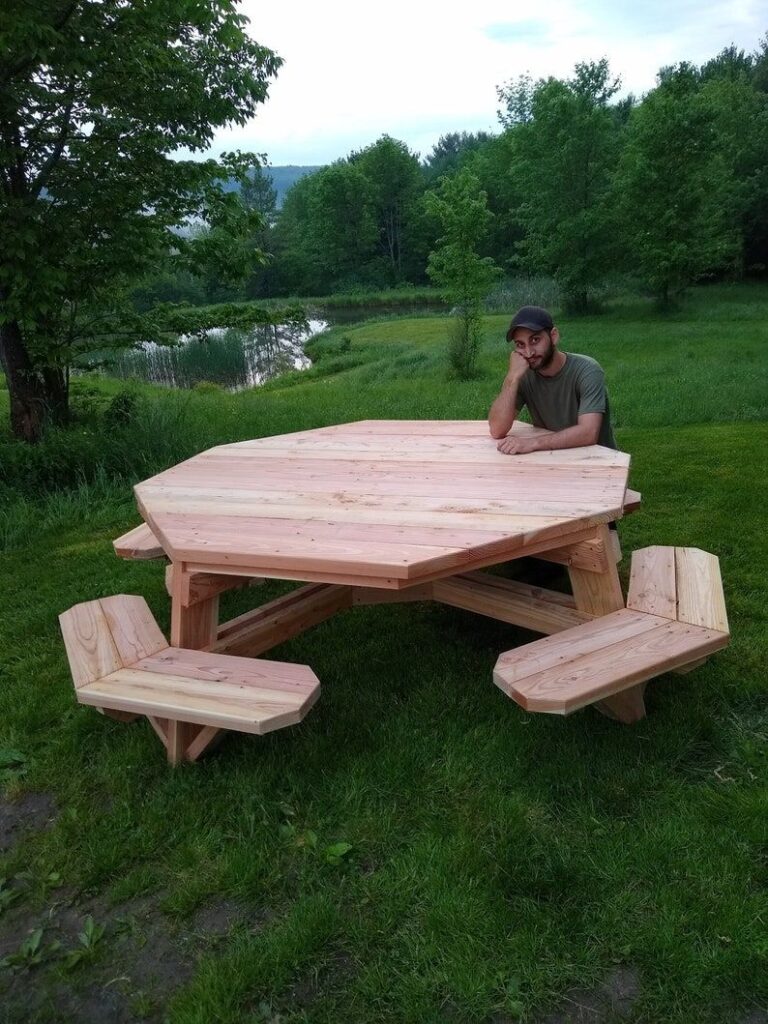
{"type": "Point", "coordinates": [546, 359]}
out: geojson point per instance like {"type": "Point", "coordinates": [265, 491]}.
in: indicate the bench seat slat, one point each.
{"type": "Point", "coordinates": [221, 670]}
{"type": "Point", "coordinates": [563, 648]}
{"type": "Point", "coordinates": [611, 667]}
{"type": "Point", "coordinates": [245, 709]}
{"type": "Point", "coordinates": [139, 544]}
{"type": "Point", "coordinates": [121, 662]}
{"type": "Point", "coordinates": [653, 582]}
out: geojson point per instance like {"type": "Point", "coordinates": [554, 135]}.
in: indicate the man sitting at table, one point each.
{"type": "Point", "coordinates": [564, 392]}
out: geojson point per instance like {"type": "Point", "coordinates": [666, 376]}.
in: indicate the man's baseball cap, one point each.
{"type": "Point", "coordinates": [533, 318]}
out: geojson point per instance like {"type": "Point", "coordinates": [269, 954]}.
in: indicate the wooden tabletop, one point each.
{"type": "Point", "coordinates": [398, 501]}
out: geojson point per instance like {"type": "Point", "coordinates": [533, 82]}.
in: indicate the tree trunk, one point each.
{"type": "Point", "coordinates": [25, 386]}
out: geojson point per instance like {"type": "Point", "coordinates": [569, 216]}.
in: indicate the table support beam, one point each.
{"type": "Point", "coordinates": [194, 626]}
{"type": "Point", "coordinates": [600, 593]}
{"type": "Point", "coordinates": [257, 631]}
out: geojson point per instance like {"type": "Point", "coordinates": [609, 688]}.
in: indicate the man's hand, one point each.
{"type": "Point", "coordinates": [518, 366]}
{"type": "Point", "coordinates": [517, 445]}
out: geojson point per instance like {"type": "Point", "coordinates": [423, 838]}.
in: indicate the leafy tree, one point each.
{"type": "Point", "coordinates": [97, 97]}
{"type": "Point", "coordinates": [257, 193]}
{"type": "Point", "coordinates": [342, 223]}
{"type": "Point", "coordinates": [740, 123]}
{"type": "Point", "coordinates": [456, 266]}
{"type": "Point", "coordinates": [451, 151]}
{"type": "Point", "coordinates": [566, 144]}
{"type": "Point", "coordinates": [674, 186]}
{"type": "Point", "coordinates": [396, 182]}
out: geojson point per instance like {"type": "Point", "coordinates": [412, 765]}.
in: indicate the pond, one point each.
{"type": "Point", "coordinates": [238, 359]}
{"type": "Point", "coordinates": [230, 357]}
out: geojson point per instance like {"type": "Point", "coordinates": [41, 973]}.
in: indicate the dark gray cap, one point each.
{"type": "Point", "coordinates": [534, 318]}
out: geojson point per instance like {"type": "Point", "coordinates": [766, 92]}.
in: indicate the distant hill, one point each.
{"type": "Point", "coordinates": [284, 177]}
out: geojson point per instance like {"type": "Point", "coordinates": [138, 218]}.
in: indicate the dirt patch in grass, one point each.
{"type": "Point", "coordinates": [139, 958]}
{"type": "Point", "coordinates": [610, 1003]}
{"type": "Point", "coordinates": [32, 812]}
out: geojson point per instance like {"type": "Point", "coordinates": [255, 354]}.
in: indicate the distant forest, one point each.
{"type": "Point", "coordinates": [592, 190]}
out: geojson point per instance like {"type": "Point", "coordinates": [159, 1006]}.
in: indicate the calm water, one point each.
{"type": "Point", "coordinates": [237, 359]}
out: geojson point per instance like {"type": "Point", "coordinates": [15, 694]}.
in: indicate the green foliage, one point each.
{"type": "Point", "coordinates": [675, 188]}
{"type": "Point", "coordinates": [463, 276]}
{"type": "Point", "coordinates": [89, 938]}
{"type": "Point", "coordinates": [98, 99]}
{"type": "Point", "coordinates": [451, 151]}
{"type": "Point", "coordinates": [566, 145]}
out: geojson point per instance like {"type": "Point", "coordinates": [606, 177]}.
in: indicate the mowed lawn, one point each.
{"type": "Point", "coordinates": [419, 849]}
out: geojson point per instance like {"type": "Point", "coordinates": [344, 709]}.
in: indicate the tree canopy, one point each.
{"type": "Point", "coordinates": [103, 106]}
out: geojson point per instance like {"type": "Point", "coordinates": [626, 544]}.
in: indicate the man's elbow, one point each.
{"type": "Point", "coordinates": [496, 431]}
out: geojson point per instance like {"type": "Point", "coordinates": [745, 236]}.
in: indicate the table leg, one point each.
{"type": "Point", "coordinates": [599, 593]}
{"type": "Point", "coordinates": [193, 626]}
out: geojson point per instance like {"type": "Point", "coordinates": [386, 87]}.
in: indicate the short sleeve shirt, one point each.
{"type": "Point", "coordinates": [557, 402]}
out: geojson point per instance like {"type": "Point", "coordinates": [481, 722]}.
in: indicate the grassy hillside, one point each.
{"type": "Point", "coordinates": [503, 867]}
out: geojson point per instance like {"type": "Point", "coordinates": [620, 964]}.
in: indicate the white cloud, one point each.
{"type": "Point", "coordinates": [415, 69]}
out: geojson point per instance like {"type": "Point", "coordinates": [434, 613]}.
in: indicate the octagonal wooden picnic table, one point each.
{"type": "Point", "coordinates": [384, 510]}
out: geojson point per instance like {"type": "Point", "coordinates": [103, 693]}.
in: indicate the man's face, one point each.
{"type": "Point", "coordinates": [536, 347]}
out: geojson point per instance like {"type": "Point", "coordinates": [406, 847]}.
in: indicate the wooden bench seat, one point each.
{"type": "Point", "coordinates": [139, 544]}
{"type": "Point", "coordinates": [122, 664]}
{"type": "Point", "coordinates": [675, 618]}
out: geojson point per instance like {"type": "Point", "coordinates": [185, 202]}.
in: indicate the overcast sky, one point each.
{"type": "Point", "coordinates": [415, 69]}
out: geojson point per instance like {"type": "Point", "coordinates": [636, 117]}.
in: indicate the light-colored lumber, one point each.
{"type": "Point", "coordinates": [376, 595]}
{"type": "Point", "coordinates": [616, 661]}
{"type": "Point", "coordinates": [596, 555]}
{"type": "Point", "coordinates": [632, 501]}
{"type": "Point", "coordinates": [132, 627]}
{"type": "Point", "coordinates": [539, 541]}
{"type": "Point", "coordinates": [122, 665]}
{"type": "Point", "coordinates": [88, 641]}
{"type": "Point", "coordinates": [377, 503]}
{"type": "Point", "coordinates": [653, 582]}
{"type": "Point", "coordinates": [277, 621]}
{"type": "Point", "coordinates": [544, 611]}
{"type": "Point", "coordinates": [598, 592]}
{"type": "Point", "coordinates": [700, 597]}
{"type": "Point", "coordinates": [674, 620]}
{"type": "Point", "coordinates": [139, 543]}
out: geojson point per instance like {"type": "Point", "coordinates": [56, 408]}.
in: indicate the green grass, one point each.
{"type": "Point", "coordinates": [499, 861]}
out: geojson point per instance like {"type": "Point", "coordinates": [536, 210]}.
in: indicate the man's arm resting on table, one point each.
{"type": "Point", "coordinates": [502, 413]}
{"type": "Point", "coordinates": [585, 432]}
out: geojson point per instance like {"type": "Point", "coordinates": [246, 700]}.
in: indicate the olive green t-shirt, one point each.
{"type": "Point", "coordinates": [557, 402]}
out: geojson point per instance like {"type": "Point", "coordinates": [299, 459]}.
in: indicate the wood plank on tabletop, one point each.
{"type": "Point", "coordinates": [481, 454]}
{"type": "Point", "coordinates": [530, 544]}
{"type": "Point", "coordinates": [379, 508]}
{"type": "Point", "coordinates": [559, 489]}
{"type": "Point", "coordinates": [466, 516]}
